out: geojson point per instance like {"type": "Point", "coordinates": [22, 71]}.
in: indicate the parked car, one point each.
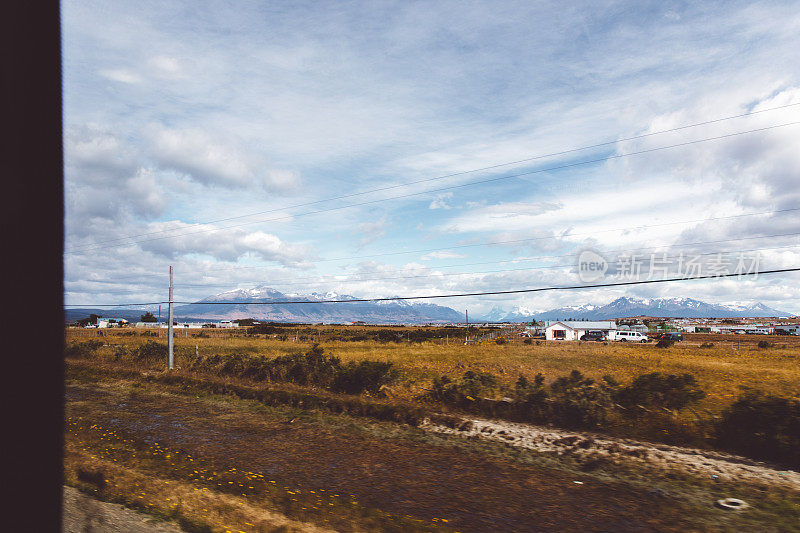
{"type": "Point", "coordinates": [628, 336]}
{"type": "Point", "coordinates": [593, 336]}
{"type": "Point", "coordinates": [674, 336]}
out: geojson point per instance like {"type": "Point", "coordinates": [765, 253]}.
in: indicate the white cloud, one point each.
{"type": "Point", "coordinates": [224, 244]}
{"type": "Point", "coordinates": [121, 75]}
{"type": "Point", "coordinates": [372, 231]}
{"type": "Point", "coordinates": [245, 100]}
{"type": "Point", "coordinates": [212, 161]}
{"type": "Point", "coordinates": [441, 255]}
{"type": "Point", "coordinates": [440, 202]}
{"type": "Point", "coordinates": [165, 67]}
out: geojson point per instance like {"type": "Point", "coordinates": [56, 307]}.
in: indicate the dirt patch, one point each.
{"type": "Point", "coordinates": [471, 491]}
{"type": "Point", "coordinates": [592, 446]}
{"type": "Point", "coordinates": [83, 514]}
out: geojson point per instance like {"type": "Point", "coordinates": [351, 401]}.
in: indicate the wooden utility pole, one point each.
{"type": "Point", "coordinates": [169, 328]}
{"type": "Point", "coordinates": [466, 316]}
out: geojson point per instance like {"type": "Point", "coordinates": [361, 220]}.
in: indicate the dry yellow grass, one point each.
{"type": "Point", "coordinates": [721, 369]}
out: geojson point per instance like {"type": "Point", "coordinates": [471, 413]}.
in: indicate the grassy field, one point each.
{"type": "Point", "coordinates": [734, 361]}
{"type": "Point", "coordinates": [220, 464]}
{"type": "Point", "coordinates": [220, 452]}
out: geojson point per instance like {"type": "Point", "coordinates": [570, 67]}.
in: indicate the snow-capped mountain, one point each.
{"type": "Point", "coordinates": [660, 307]}
{"type": "Point", "coordinates": [516, 314]}
{"type": "Point", "coordinates": [383, 312]}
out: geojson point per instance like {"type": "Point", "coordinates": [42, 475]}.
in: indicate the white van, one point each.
{"type": "Point", "coordinates": [627, 336]}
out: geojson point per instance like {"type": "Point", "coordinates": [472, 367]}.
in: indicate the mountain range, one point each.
{"type": "Point", "coordinates": [239, 303]}
{"type": "Point", "coordinates": [627, 306]}
{"type": "Point", "coordinates": [385, 312]}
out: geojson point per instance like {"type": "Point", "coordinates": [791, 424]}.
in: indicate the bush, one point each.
{"type": "Point", "coordinates": [762, 426]}
{"type": "Point", "coordinates": [707, 345]}
{"type": "Point", "coordinates": [527, 341]}
{"type": "Point", "coordinates": [82, 349]}
{"type": "Point", "coordinates": [659, 390]}
{"type": "Point", "coordinates": [472, 386]}
{"type": "Point", "coordinates": [151, 351]}
{"type": "Point", "coordinates": [664, 343]}
{"type": "Point", "coordinates": [500, 341]}
{"type": "Point", "coordinates": [577, 401]}
{"type": "Point", "coordinates": [370, 376]}
{"type": "Point", "coordinates": [765, 344]}
{"type": "Point", "coordinates": [311, 368]}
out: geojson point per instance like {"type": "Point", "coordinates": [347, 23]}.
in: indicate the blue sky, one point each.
{"type": "Point", "coordinates": [179, 116]}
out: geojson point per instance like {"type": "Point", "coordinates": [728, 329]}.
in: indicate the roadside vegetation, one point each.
{"type": "Point", "coordinates": [678, 394]}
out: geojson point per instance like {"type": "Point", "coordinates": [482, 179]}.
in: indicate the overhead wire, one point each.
{"type": "Point", "coordinates": [459, 295]}
{"type": "Point", "coordinates": [482, 169]}
{"type": "Point", "coordinates": [440, 189]}
{"type": "Point", "coordinates": [327, 278]}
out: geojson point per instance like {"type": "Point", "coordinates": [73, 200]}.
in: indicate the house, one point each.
{"type": "Point", "coordinates": [111, 322]}
{"type": "Point", "coordinates": [569, 330]}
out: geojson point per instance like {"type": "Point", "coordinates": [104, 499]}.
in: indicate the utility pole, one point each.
{"type": "Point", "coordinates": [466, 316]}
{"type": "Point", "coordinates": [169, 329]}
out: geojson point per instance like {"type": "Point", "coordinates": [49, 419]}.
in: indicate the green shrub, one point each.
{"type": "Point", "coordinates": [81, 350]}
{"type": "Point", "coordinates": [765, 344]}
{"type": "Point", "coordinates": [313, 368]}
{"type": "Point", "coordinates": [527, 341]}
{"type": "Point", "coordinates": [370, 376]}
{"type": "Point", "coordinates": [471, 386]}
{"type": "Point", "coordinates": [707, 345]}
{"type": "Point", "coordinates": [577, 401]}
{"type": "Point", "coordinates": [664, 343]}
{"type": "Point", "coordinates": [500, 341]}
{"type": "Point", "coordinates": [762, 426]}
{"type": "Point", "coordinates": [151, 351]}
{"type": "Point", "coordinates": [659, 390]}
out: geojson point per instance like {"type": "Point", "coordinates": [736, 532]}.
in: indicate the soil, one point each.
{"type": "Point", "coordinates": [585, 445]}
{"type": "Point", "coordinates": [83, 514]}
{"type": "Point", "coordinates": [472, 491]}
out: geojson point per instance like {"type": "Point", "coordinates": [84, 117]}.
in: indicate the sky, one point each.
{"type": "Point", "coordinates": [345, 147]}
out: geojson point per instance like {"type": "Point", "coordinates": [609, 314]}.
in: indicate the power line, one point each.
{"type": "Point", "coordinates": [531, 239]}
{"type": "Point", "coordinates": [515, 291]}
{"type": "Point", "coordinates": [322, 277]}
{"type": "Point", "coordinates": [458, 295]}
{"type": "Point", "coordinates": [451, 187]}
{"type": "Point", "coordinates": [491, 167]}
{"type": "Point", "coordinates": [439, 275]}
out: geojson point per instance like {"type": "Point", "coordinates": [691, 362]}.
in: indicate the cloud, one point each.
{"type": "Point", "coordinates": [104, 185]}
{"type": "Point", "coordinates": [245, 100]}
{"type": "Point", "coordinates": [440, 202]}
{"type": "Point", "coordinates": [165, 67]}
{"type": "Point", "coordinates": [211, 161]}
{"type": "Point", "coordinates": [441, 255]}
{"type": "Point", "coordinates": [224, 244]}
{"type": "Point", "coordinates": [121, 75]}
{"type": "Point", "coordinates": [372, 231]}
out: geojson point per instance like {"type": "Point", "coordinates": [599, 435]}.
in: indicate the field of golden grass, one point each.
{"type": "Point", "coordinates": [734, 361]}
{"type": "Point", "coordinates": [217, 452]}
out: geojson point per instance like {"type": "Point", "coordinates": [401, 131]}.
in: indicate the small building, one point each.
{"type": "Point", "coordinates": [569, 330]}
{"type": "Point", "coordinates": [111, 322]}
